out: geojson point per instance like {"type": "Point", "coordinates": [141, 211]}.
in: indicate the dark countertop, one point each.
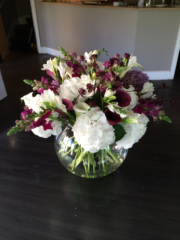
{"type": "Point", "coordinates": [40, 199]}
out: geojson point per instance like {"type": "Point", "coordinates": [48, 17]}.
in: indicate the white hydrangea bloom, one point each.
{"type": "Point", "coordinates": [36, 102]}
{"type": "Point", "coordinates": [134, 131]}
{"type": "Point", "coordinates": [92, 131]}
{"type": "Point", "coordinates": [69, 88]}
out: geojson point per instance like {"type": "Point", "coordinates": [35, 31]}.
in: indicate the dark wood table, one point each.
{"type": "Point", "coordinates": [40, 199]}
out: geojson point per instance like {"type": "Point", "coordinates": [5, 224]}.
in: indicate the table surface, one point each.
{"type": "Point", "coordinates": [40, 199]}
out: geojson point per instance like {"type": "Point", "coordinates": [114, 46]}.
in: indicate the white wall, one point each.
{"type": "Point", "coordinates": [153, 36]}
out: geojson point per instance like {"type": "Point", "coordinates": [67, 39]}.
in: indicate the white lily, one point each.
{"type": "Point", "coordinates": [64, 69]}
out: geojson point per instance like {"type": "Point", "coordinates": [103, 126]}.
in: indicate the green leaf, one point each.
{"type": "Point", "coordinates": [132, 65]}
{"type": "Point", "coordinates": [119, 132]}
{"type": "Point", "coordinates": [129, 120]}
{"type": "Point", "coordinates": [29, 82]}
{"type": "Point", "coordinates": [165, 118]}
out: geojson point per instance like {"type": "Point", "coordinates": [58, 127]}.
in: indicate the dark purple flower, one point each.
{"type": "Point", "coordinates": [61, 113]}
{"type": "Point", "coordinates": [90, 87]}
{"type": "Point", "coordinates": [123, 98]}
{"type": "Point", "coordinates": [102, 88]}
{"type": "Point", "coordinates": [154, 113]}
{"type": "Point", "coordinates": [136, 79]}
{"type": "Point", "coordinates": [112, 117]}
{"type": "Point", "coordinates": [100, 73]}
{"type": "Point", "coordinates": [93, 57]}
{"type": "Point", "coordinates": [127, 55]}
{"type": "Point", "coordinates": [116, 63]}
{"type": "Point", "coordinates": [81, 58]}
{"type": "Point", "coordinates": [45, 81]}
{"type": "Point", "coordinates": [68, 104]}
{"type": "Point", "coordinates": [82, 92]}
{"type": "Point", "coordinates": [94, 65]}
{"type": "Point", "coordinates": [138, 109]}
{"type": "Point", "coordinates": [92, 103]}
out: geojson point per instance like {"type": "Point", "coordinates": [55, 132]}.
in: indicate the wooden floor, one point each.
{"type": "Point", "coordinates": [41, 200]}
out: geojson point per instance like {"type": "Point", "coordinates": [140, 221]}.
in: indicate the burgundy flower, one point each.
{"type": "Point", "coordinates": [117, 56]}
{"type": "Point", "coordinates": [25, 113]}
{"type": "Point", "coordinates": [68, 104]}
{"type": "Point", "coordinates": [108, 64]}
{"type": "Point", "coordinates": [138, 109]}
{"type": "Point", "coordinates": [102, 88]}
{"type": "Point", "coordinates": [93, 57]}
{"type": "Point", "coordinates": [82, 92]}
{"type": "Point", "coordinates": [61, 113]}
{"type": "Point", "coordinates": [81, 58]}
{"type": "Point", "coordinates": [173, 102]}
{"type": "Point", "coordinates": [90, 87]}
{"type": "Point", "coordinates": [92, 103]}
{"type": "Point", "coordinates": [51, 74]}
{"type": "Point", "coordinates": [163, 85]}
{"type": "Point", "coordinates": [74, 55]}
{"type": "Point", "coordinates": [127, 55]}
{"type": "Point", "coordinates": [94, 65]}
{"type": "Point", "coordinates": [123, 98]}
{"type": "Point", "coordinates": [100, 73]}
{"type": "Point", "coordinates": [46, 115]}
{"type": "Point", "coordinates": [154, 113]}
{"type": "Point", "coordinates": [112, 117]}
{"type": "Point", "coordinates": [40, 90]}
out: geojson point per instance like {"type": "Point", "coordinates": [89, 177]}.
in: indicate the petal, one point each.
{"type": "Point", "coordinates": [112, 117]}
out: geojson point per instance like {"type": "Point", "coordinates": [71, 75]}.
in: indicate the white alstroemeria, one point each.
{"type": "Point", "coordinates": [115, 108]}
{"type": "Point", "coordinates": [64, 69]}
{"type": "Point", "coordinates": [132, 61]}
{"type": "Point", "coordinates": [81, 108]}
{"type": "Point", "coordinates": [147, 87]}
{"type": "Point", "coordinates": [100, 65]}
{"type": "Point", "coordinates": [48, 66]}
{"type": "Point", "coordinates": [109, 93]}
{"type": "Point", "coordinates": [88, 55]}
{"type": "Point", "coordinates": [35, 103]}
{"type": "Point", "coordinates": [92, 131]}
{"type": "Point", "coordinates": [148, 90]}
{"type": "Point", "coordinates": [54, 61]}
{"type": "Point", "coordinates": [28, 98]}
{"type": "Point", "coordinates": [134, 97]}
{"type": "Point", "coordinates": [134, 131]}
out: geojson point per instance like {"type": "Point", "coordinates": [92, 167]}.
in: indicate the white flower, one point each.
{"type": "Point", "coordinates": [88, 55]}
{"type": "Point", "coordinates": [100, 65]}
{"type": "Point", "coordinates": [69, 88]}
{"type": "Point", "coordinates": [134, 131]}
{"type": "Point", "coordinates": [64, 69]}
{"type": "Point", "coordinates": [147, 87]}
{"type": "Point", "coordinates": [36, 102]}
{"type": "Point", "coordinates": [109, 93]}
{"type": "Point", "coordinates": [49, 66]}
{"type": "Point", "coordinates": [134, 97]}
{"type": "Point", "coordinates": [80, 108]}
{"type": "Point", "coordinates": [92, 131]}
{"type": "Point", "coordinates": [39, 131]}
{"type": "Point", "coordinates": [132, 61]}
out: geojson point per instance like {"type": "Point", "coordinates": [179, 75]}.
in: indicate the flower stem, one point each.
{"type": "Point", "coordinates": [113, 156]}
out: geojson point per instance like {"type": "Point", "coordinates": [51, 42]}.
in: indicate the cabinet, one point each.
{"type": "Point", "coordinates": [3, 42]}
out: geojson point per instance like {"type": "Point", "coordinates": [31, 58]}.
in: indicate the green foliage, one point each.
{"type": "Point", "coordinates": [29, 82]}
{"type": "Point", "coordinates": [101, 51]}
{"type": "Point", "coordinates": [63, 51]}
{"type": "Point", "coordinates": [109, 99]}
{"type": "Point", "coordinates": [119, 132]}
{"type": "Point", "coordinates": [120, 110]}
{"type": "Point", "coordinates": [14, 130]}
{"type": "Point", "coordinates": [164, 117]}
{"type": "Point", "coordinates": [119, 69]}
{"type": "Point", "coordinates": [129, 120]}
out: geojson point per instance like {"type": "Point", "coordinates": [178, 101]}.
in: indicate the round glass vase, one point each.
{"type": "Point", "coordinates": [85, 164]}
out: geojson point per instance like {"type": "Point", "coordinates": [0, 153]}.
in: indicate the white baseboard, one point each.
{"type": "Point", "coordinates": [3, 92]}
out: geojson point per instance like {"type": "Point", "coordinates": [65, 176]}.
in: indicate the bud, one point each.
{"type": "Point", "coordinates": [52, 104]}
{"type": "Point", "coordinates": [127, 55]}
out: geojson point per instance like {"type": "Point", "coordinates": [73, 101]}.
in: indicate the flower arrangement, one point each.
{"type": "Point", "coordinates": [105, 103]}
